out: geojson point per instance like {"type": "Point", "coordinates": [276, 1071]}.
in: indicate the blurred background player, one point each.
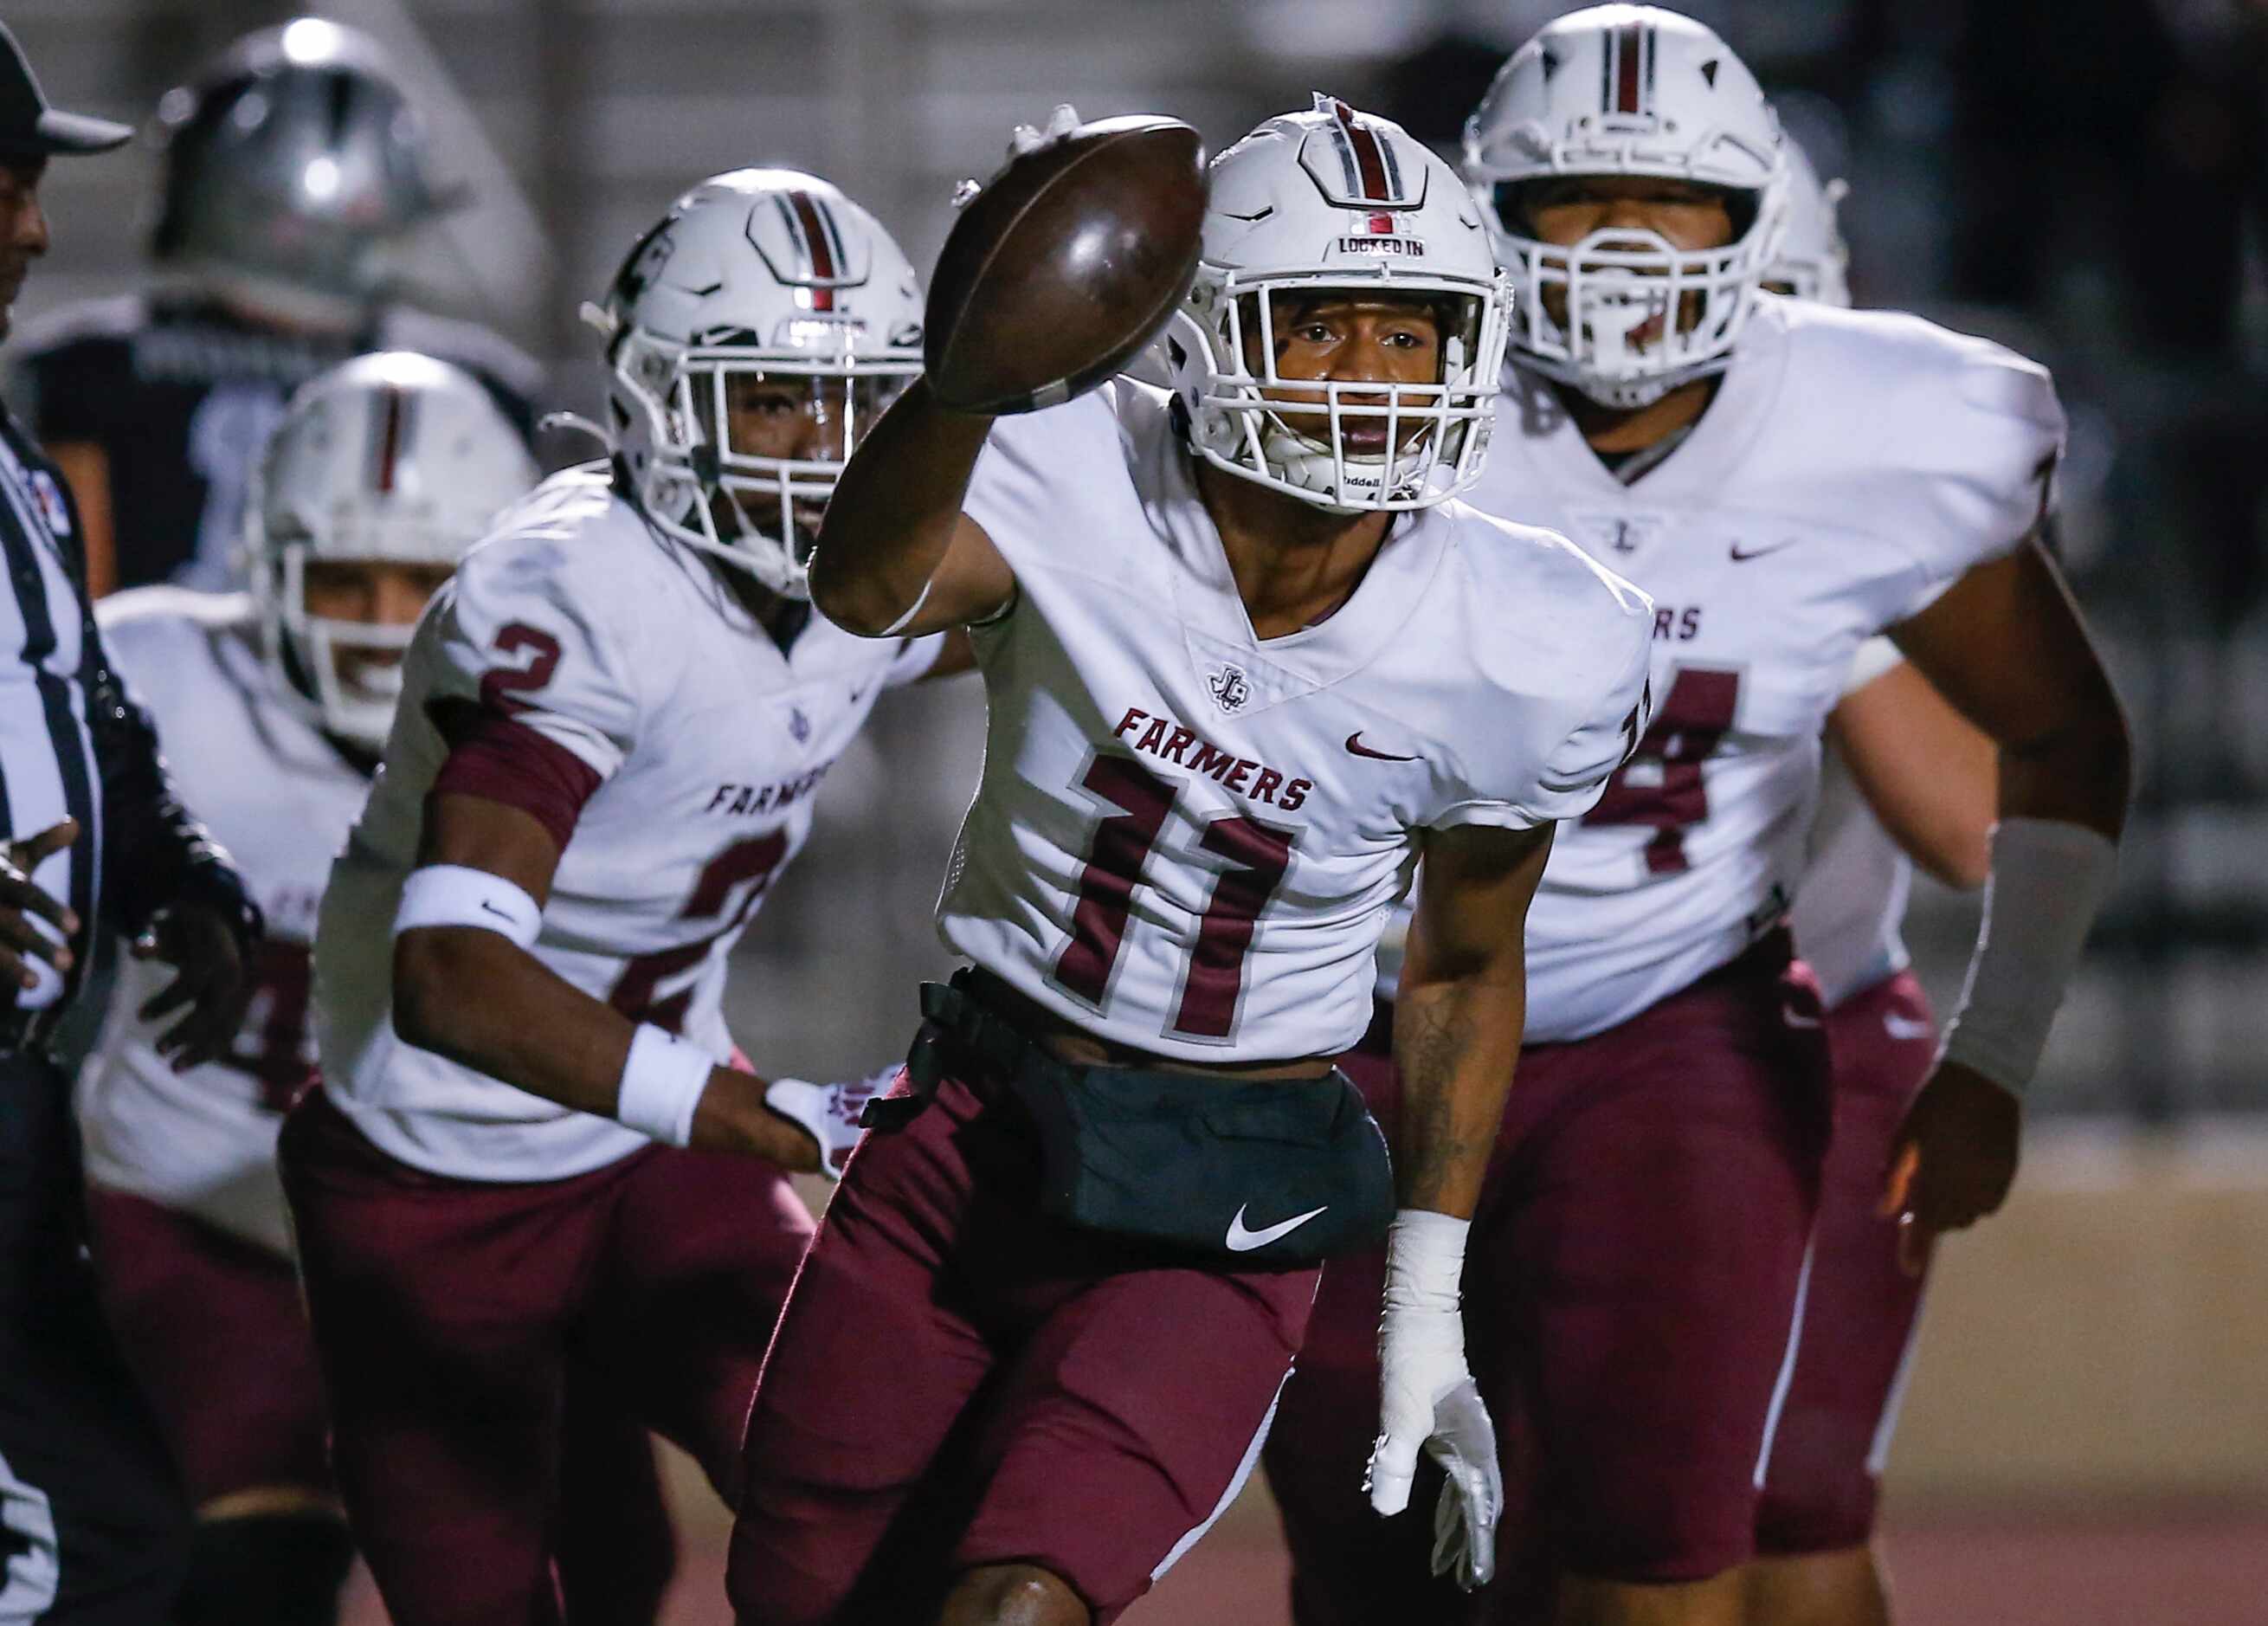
{"type": "Point", "coordinates": [1902, 773]}
{"type": "Point", "coordinates": [296, 174]}
{"type": "Point", "coordinates": [613, 722]}
{"type": "Point", "coordinates": [92, 1528]}
{"type": "Point", "coordinates": [1785, 480]}
{"type": "Point", "coordinates": [1245, 659]}
{"type": "Point", "coordinates": [276, 704]}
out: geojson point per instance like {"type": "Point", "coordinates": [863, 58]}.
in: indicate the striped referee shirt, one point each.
{"type": "Point", "coordinates": [49, 766]}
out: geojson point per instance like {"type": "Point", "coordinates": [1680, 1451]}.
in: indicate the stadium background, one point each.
{"type": "Point", "coordinates": [2087, 1435]}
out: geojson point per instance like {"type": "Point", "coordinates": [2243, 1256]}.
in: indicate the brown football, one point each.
{"type": "Point", "coordinates": [1065, 265]}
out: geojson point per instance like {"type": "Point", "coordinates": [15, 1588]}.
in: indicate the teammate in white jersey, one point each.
{"type": "Point", "coordinates": [1245, 659]}
{"type": "Point", "coordinates": [614, 716]}
{"type": "Point", "coordinates": [274, 705]}
{"type": "Point", "coordinates": [1785, 480]}
{"type": "Point", "coordinates": [1903, 778]}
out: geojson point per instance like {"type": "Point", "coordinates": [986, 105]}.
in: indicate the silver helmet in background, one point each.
{"type": "Point", "coordinates": [1813, 261]}
{"type": "Point", "coordinates": [295, 170]}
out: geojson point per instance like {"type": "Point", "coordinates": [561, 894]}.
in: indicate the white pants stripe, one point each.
{"type": "Point", "coordinates": [1878, 1454]}
{"type": "Point", "coordinates": [1786, 1364]}
{"type": "Point", "coordinates": [1236, 1484]}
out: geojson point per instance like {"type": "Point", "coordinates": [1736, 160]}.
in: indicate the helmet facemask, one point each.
{"type": "Point", "coordinates": [1348, 446]}
{"type": "Point", "coordinates": [1624, 314]}
{"type": "Point", "coordinates": [711, 482]}
{"type": "Point", "coordinates": [345, 674]}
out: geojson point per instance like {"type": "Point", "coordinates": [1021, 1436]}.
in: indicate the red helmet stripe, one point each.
{"type": "Point", "coordinates": [1630, 52]}
{"type": "Point", "coordinates": [389, 440]}
{"type": "Point", "coordinates": [1369, 161]}
{"type": "Point", "coordinates": [819, 243]}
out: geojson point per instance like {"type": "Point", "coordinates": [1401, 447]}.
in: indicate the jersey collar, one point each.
{"type": "Point", "coordinates": [1215, 625]}
{"type": "Point", "coordinates": [1529, 415]}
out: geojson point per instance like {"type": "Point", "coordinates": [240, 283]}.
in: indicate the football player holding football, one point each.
{"type": "Point", "coordinates": [1245, 659]}
{"type": "Point", "coordinates": [295, 171]}
{"type": "Point", "coordinates": [1787, 480]}
{"type": "Point", "coordinates": [528, 1164]}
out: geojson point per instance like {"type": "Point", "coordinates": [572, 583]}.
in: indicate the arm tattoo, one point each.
{"type": "Point", "coordinates": [1440, 1033]}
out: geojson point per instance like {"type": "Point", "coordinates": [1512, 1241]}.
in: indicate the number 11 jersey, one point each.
{"type": "Point", "coordinates": [1187, 840]}
{"type": "Point", "coordinates": [1852, 466]}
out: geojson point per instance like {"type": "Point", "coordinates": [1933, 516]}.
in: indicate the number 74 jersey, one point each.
{"type": "Point", "coordinates": [1187, 840]}
{"type": "Point", "coordinates": [1852, 466]}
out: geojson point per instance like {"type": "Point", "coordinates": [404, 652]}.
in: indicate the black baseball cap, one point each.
{"type": "Point", "coordinates": [30, 129]}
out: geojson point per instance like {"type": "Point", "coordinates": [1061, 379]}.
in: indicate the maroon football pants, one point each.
{"type": "Point", "coordinates": [1631, 1288]}
{"type": "Point", "coordinates": [1824, 1477]}
{"type": "Point", "coordinates": [960, 1381]}
{"type": "Point", "coordinates": [457, 1323]}
{"type": "Point", "coordinates": [215, 1331]}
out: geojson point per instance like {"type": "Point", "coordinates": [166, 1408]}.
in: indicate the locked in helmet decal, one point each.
{"type": "Point", "coordinates": [1333, 203]}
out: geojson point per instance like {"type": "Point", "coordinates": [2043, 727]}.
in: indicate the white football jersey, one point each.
{"type": "Point", "coordinates": [1852, 466]}
{"type": "Point", "coordinates": [1187, 840]}
{"type": "Point", "coordinates": [1850, 905]}
{"type": "Point", "coordinates": [709, 742]}
{"type": "Point", "coordinates": [279, 796]}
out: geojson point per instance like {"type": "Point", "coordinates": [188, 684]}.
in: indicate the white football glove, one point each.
{"type": "Point", "coordinates": [1023, 139]}
{"type": "Point", "coordinates": [1428, 1400]}
{"type": "Point", "coordinates": [829, 1112]}
{"type": "Point", "coordinates": [1031, 137]}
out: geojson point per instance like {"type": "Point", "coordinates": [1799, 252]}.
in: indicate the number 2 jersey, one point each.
{"type": "Point", "coordinates": [617, 692]}
{"type": "Point", "coordinates": [279, 796]}
{"type": "Point", "coordinates": [1853, 465]}
{"type": "Point", "coordinates": [1187, 840]}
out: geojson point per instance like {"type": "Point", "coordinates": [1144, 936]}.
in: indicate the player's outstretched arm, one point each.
{"type": "Point", "coordinates": [2007, 646]}
{"type": "Point", "coordinates": [479, 998]}
{"type": "Point", "coordinates": [1928, 773]}
{"type": "Point", "coordinates": [896, 554]}
{"type": "Point", "coordinates": [1462, 1005]}
{"type": "Point", "coordinates": [1458, 1016]}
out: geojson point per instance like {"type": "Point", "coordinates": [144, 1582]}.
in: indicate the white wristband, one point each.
{"type": "Point", "coordinates": [1424, 1261]}
{"type": "Point", "coordinates": [456, 894]}
{"type": "Point", "coordinates": [662, 1081]}
{"type": "Point", "coordinates": [2048, 881]}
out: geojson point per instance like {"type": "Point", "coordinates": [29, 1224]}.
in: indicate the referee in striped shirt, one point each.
{"type": "Point", "coordinates": [92, 1528]}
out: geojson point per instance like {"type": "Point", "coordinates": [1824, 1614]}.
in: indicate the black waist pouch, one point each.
{"type": "Point", "coordinates": [1277, 1173]}
{"type": "Point", "coordinates": [1285, 1173]}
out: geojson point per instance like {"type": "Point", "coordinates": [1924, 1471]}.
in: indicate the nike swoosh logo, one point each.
{"type": "Point", "coordinates": [493, 910]}
{"type": "Point", "coordinates": [1797, 1019]}
{"type": "Point", "coordinates": [1354, 743]}
{"type": "Point", "coordinates": [1242, 1241]}
{"type": "Point", "coordinates": [1740, 558]}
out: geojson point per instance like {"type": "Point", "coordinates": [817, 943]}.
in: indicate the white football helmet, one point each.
{"type": "Point", "coordinates": [1338, 202]}
{"type": "Point", "coordinates": [1628, 90]}
{"type": "Point", "coordinates": [393, 458]}
{"type": "Point", "coordinates": [1815, 262]}
{"type": "Point", "coordinates": [756, 274]}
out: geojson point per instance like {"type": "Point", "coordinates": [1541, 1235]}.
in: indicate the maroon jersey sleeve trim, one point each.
{"type": "Point", "coordinates": [500, 759]}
